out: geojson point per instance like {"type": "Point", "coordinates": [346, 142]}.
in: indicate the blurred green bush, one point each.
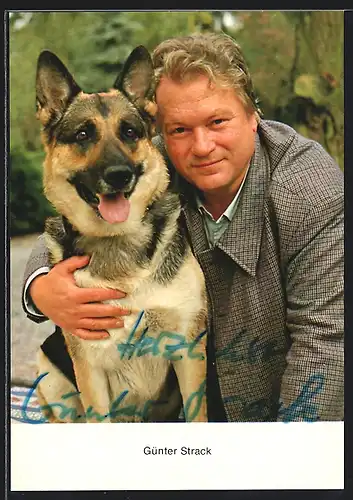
{"type": "Point", "coordinates": [28, 205]}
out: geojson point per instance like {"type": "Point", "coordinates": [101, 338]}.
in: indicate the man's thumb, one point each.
{"type": "Point", "coordinates": [72, 263]}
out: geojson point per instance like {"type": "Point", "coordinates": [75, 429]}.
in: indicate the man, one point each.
{"type": "Point", "coordinates": [263, 208]}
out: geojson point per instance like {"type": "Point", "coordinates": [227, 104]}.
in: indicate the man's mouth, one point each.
{"type": "Point", "coordinates": [206, 164]}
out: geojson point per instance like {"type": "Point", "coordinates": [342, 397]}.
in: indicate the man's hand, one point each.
{"type": "Point", "coordinates": [74, 309]}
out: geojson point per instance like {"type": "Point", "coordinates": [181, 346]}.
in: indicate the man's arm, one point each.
{"type": "Point", "coordinates": [312, 385]}
{"type": "Point", "coordinates": [53, 293]}
{"type": "Point", "coordinates": [37, 264]}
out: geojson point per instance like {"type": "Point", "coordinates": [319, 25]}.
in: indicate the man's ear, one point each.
{"type": "Point", "coordinates": [136, 79]}
{"type": "Point", "coordinates": [55, 87]}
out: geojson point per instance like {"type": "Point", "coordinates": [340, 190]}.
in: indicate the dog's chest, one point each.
{"type": "Point", "coordinates": [154, 309]}
{"type": "Point", "coordinates": [116, 258]}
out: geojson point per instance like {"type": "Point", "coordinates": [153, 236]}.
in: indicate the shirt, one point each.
{"type": "Point", "coordinates": [215, 228]}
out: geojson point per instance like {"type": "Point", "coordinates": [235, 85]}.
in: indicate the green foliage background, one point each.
{"type": "Point", "coordinates": [296, 60]}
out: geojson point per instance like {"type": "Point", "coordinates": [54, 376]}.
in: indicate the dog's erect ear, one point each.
{"type": "Point", "coordinates": [136, 79]}
{"type": "Point", "coordinates": [55, 87]}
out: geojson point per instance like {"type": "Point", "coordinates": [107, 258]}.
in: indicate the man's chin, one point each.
{"type": "Point", "coordinates": [210, 184]}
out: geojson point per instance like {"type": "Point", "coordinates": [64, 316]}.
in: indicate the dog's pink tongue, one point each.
{"type": "Point", "coordinates": [114, 209]}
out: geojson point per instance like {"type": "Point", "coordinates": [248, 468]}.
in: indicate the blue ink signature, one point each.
{"type": "Point", "coordinates": [302, 406]}
{"type": "Point", "coordinates": [151, 345]}
{"type": "Point", "coordinates": [258, 350]}
{"type": "Point", "coordinates": [191, 410]}
{"type": "Point", "coordinates": [254, 409]}
{"type": "Point", "coordinates": [196, 399]}
{"type": "Point", "coordinates": [24, 408]}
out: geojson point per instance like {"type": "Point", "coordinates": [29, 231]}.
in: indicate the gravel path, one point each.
{"type": "Point", "coordinates": [26, 336]}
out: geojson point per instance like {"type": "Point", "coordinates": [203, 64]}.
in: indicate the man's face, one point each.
{"type": "Point", "coordinates": [209, 136]}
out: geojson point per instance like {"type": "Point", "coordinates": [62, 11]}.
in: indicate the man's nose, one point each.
{"type": "Point", "coordinates": [203, 143]}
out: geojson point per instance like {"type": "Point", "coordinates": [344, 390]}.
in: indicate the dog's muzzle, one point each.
{"type": "Point", "coordinates": [119, 177]}
{"type": "Point", "coordinates": [108, 190]}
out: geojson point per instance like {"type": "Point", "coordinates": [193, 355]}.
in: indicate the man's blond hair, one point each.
{"type": "Point", "coordinates": [216, 55]}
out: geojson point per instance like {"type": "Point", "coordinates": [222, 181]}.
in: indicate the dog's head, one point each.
{"type": "Point", "coordinates": [101, 169]}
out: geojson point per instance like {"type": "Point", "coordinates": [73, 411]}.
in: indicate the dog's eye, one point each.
{"type": "Point", "coordinates": [128, 132]}
{"type": "Point", "coordinates": [81, 135]}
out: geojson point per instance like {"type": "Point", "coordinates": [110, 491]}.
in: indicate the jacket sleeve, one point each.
{"type": "Point", "coordinates": [312, 385]}
{"type": "Point", "coordinates": [38, 263]}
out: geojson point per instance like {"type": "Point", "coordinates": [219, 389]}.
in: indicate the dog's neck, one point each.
{"type": "Point", "coordinates": [121, 255]}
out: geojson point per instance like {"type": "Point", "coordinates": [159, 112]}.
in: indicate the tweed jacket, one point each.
{"type": "Point", "coordinates": [275, 285]}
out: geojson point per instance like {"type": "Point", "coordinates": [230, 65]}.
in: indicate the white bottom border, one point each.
{"type": "Point", "coordinates": [255, 456]}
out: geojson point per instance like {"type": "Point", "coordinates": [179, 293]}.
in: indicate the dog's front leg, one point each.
{"type": "Point", "coordinates": [191, 372]}
{"type": "Point", "coordinates": [94, 388]}
{"type": "Point", "coordinates": [59, 400]}
{"type": "Point", "coordinates": [191, 376]}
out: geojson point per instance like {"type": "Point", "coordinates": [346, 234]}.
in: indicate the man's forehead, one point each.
{"type": "Point", "coordinates": [175, 102]}
{"type": "Point", "coordinates": [171, 92]}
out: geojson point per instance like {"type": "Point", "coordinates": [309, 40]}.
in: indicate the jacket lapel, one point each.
{"type": "Point", "coordinates": [242, 240]}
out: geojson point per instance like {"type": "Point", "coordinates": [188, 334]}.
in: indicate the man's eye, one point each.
{"type": "Point", "coordinates": [218, 121]}
{"type": "Point", "coordinates": [178, 130]}
{"type": "Point", "coordinates": [81, 135]}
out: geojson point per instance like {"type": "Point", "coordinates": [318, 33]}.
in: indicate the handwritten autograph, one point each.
{"type": "Point", "coordinates": [151, 345]}
{"type": "Point", "coordinates": [191, 408]}
{"type": "Point", "coordinates": [302, 408]}
{"type": "Point", "coordinates": [257, 350]}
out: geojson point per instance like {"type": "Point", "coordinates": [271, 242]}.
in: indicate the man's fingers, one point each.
{"type": "Point", "coordinates": [89, 335]}
{"type": "Point", "coordinates": [72, 263]}
{"type": "Point", "coordinates": [102, 311]}
{"type": "Point", "coordinates": [95, 324]}
{"type": "Point", "coordinates": [86, 295]}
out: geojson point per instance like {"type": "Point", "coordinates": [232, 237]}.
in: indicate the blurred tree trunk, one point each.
{"type": "Point", "coordinates": [318, 91]}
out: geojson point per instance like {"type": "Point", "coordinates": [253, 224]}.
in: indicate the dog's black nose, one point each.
{"type": "Point", "coordinates": [118, 176]}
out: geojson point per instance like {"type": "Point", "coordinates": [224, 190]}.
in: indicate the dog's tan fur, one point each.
{"type": "Point", "coordinates": [178, 305]}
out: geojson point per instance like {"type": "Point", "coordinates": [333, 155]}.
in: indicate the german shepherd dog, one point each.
{"type": "Point", "coordinates": [110, 185]}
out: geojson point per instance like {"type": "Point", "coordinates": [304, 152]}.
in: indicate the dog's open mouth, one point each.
{"type": "Point", "coordinates": [114, 207]}
{"type": "Point", "coordinates": [108, 190]}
